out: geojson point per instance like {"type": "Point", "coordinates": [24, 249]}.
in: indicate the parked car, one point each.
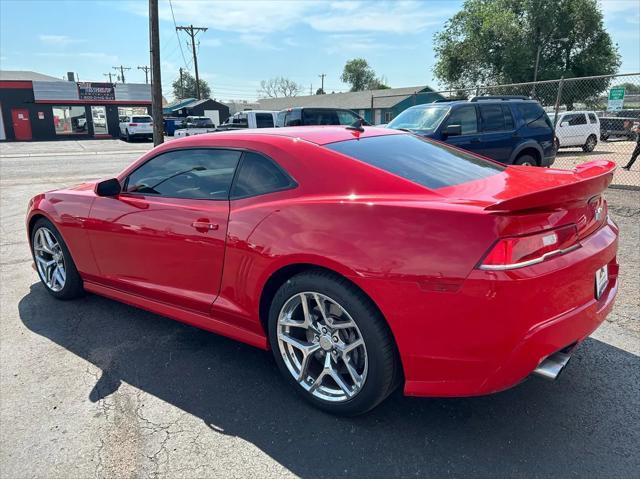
{"type": "Point", "coordinates": [411, 264]}
{"type": "Point", "coordinates": [614, 127]}
{"type": "Point", "coordinates": [250, 119]}
{"type": "Point", "coordinates": [577, 128]}
{"type": "Point", "coordinates": [511, 130]}
{"type": "Point", "coordinates": [136, 126]}
{"type": "Point", "coordinates": [301, 116]}
{"type": "Point", "coordinates": [195, 125]}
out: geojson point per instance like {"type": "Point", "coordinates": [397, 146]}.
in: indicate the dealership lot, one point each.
{"type": "Point", "coordinates": [94, 388]}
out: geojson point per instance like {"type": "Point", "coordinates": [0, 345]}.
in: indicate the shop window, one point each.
{"type": "Point", "coordinates": [99, 115]}
{"type": "Point", "coordinates": [70, 120]}
{"type": "Point", "coordinates": [388, 116]}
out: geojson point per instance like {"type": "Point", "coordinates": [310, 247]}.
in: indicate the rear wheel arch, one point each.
{"type": "Point", "coordinates": [529, 151]}
{"type": "Point", "coordinates": [282, 275]}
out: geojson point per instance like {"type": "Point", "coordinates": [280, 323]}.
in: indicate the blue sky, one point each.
{"type": "Point", "coordinates": [249, 41]}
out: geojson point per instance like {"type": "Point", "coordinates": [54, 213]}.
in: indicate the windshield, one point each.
{"type": "Point", "coordinates": [427, 118]}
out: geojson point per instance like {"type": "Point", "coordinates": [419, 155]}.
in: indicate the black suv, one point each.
{"type": "Point", "coordinates": [300, 116]}
{"type": "Point", "coordinates": [509, 129]}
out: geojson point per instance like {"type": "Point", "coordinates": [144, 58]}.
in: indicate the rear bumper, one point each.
{"type": "Point", "coordinates": [494, 330]}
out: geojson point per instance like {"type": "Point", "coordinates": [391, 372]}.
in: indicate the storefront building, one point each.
{"type": "Point", "coordinates": [51, 110]}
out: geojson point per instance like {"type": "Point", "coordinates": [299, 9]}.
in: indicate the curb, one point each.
{"type": "Point", "coordinates": [78, 153]}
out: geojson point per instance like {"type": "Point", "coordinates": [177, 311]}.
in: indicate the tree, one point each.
{"type": "Point", "coordinates": [188, 87]}
{"type": "Point", "coordinates": [361, 76]}
{"type": "Point", "coordinates": [320, 91]}
{"type": "Point", "coordinates": [496, 41]}
{"type": "Point", "coordinates": [279, 86]}
{"type": "Point", "coordinates": [630, 88]}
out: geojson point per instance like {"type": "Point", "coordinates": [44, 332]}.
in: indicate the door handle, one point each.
{"type": "Point", "coordinates": [204, 225]}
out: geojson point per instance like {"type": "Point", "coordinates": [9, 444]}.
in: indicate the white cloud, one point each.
{"type": "Point", "coordinates": [99, 56]}
{"type": "Point", "coordinates": [387, 17]}
{"type": "Point", "coordinates": [57, 40]}
{"type": "Point", "coordinates": [210, 42]}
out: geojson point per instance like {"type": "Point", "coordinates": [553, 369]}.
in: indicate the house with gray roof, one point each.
{"type": "Point", "coordinates": [375, 106]}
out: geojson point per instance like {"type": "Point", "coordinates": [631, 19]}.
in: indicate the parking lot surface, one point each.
{"type": "Point", "coordinates": [95, 388]}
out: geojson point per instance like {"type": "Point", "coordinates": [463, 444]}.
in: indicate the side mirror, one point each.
{"type": "Point", "coordinates": [452, 130]}
{"type": "Point", "coordinates": [563, 124]}
{"type": "Point", "coordinates": [108, 188]}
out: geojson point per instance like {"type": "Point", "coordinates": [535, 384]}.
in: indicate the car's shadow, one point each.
{"type": "Point", "coordinates": [585, 424]}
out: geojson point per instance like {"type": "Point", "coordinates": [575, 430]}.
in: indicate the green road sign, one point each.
{"type": "Point", "coordinates": [616, 99]}
{"type": "Point", "coordinates": [616, 94]}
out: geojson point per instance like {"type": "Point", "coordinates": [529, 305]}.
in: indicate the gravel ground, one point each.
{"type": "Point", "coordinates": [95, 388]}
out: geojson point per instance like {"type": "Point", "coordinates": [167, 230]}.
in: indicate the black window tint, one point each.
{"type": "Point", "coordinates": [264, 120]}
{"type": "Point", "coordinates": [578, 119]}
{"type": "Point", "coordinates": [196, 174]}
{"type": "Point", "coordinates": [492, 117]}
{"type": "Point", "coordinates": [508, 117]}
{"type": "Point", "coordinates": [533, 115]}
{"type": "Point", "coordinates": [429, 164]}
{"type": "Point", "coordinates": [466, 117]}
{"type": "Point", "coordinates": [312, 116]}
{"type": "Point", "coordinates": [141, 119]}
{"type": "Point", "coordinates": [259, 175]}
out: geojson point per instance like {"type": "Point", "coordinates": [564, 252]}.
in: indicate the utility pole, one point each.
{"type": "Point", "coordinates": [145, 69]}
{"type": "Point", "coordinates": [193, 31]}
{"type": "Point", "coordinates": [122, 69]}
{"type": "Point", "coordinates": [322, 75]}
{"type": "Point", "coordinates": [310, 88]}
{"type": "Point", "coordinates": [156, 81]}
{"type": "Point", "coordinates": [108, 75]}
{"type": "Point", "coordinates": [181, 85]}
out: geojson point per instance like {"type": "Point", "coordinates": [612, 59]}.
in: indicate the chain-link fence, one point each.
{"type": "Point", "coordinates": [594, 117]}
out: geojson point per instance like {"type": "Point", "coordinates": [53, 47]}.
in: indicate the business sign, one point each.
{"type": "Point", "coordinates": [616, 99]}
{"type": "Point", "coordinates": [96, 91]}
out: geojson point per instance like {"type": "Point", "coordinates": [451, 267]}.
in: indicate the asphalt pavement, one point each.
{"type": "Point", "coordinates": [95, 388]}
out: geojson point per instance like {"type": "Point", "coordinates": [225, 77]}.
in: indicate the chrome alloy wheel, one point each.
{"type": "Point", "coordinates": [322, 347]}
{"type": "Point", "coordinates": [49, 259]}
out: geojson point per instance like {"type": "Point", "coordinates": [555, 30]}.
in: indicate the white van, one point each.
{"type": "Point", "coordinates": [577, 128]}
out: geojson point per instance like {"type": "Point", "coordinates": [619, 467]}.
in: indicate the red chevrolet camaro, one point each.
{"type": "Point", "coordinates": [364, 258]}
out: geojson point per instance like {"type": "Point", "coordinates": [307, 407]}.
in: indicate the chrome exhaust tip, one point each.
{"type": "Point", "coordinates": [551, 367]}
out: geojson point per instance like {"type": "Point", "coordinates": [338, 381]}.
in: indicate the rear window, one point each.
{"type": "Point", "coordinates": [141, 119]}
{"type": "Point", "coordinates": [419, 160]}
{"type": "Point", "coordinates": [533, 115]}
{"type": "Point", "coordinates": [264, 120]}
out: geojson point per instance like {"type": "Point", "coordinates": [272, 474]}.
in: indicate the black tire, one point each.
{"type": "Point", "coordinates": [384, 371]}
{"type": "Point", "coordinates": [556, 144]}
{"type": "Point", "coordinates": [128, 137]}
{"type": "Point", "coordinates": [604, 137]}
{"type": "Point", "coordinates": [73, 287]}
{"type": "Point", "coordinates": [527, 160]}
{"type": "Point", "coordinates": [590, 144]}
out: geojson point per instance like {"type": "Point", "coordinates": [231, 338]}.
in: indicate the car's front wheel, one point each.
{"type": "Point", "coordinates": [332, 344]}
{"type": "Point", "coordinates": [53, 261]}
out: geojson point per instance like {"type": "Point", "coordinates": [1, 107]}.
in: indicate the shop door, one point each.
{"type": "Point", "coordinates": [21, 123]}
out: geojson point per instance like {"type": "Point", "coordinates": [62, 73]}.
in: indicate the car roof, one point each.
{"type": "Point", "coordinates": [320, 135]}
{"type": "Point", "coordinates": [467, 102]}
{"type": "Point", "coordinates": [314, 108]}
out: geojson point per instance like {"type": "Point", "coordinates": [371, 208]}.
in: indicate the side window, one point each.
{"type": "Point", "coordinates": [508, 117]}
{"type": "Point", "coordinates": [264, 120]}
{"type": "Point", "coordinates": [592, 118]}
{"type": "Point", "coordinates": [466, 117]}
{"type": "Point", "coordinates": [534, 116]}
{"type": "Point", "coordinates": [292, 118]}
{"type": "Point", "coordinates": [578, 119]}
{"type": "Point", "coordinates": [240, 120]}
{"type": "Point", "coordinates": [345, 117]}
{"type": "Point", "coordinates": [189, 173]}
{"type": "Point", "coordinates": [259, 175]}
{"type": "Point", "coordinates": [492, 117]}
{"type": "Point", "coordinates": [280, 119]}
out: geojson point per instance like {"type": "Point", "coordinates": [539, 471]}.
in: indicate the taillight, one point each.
{"type": "Point", "coordinates": [133, 124]}
{"type": "Point", "coordinates": [519, 251]}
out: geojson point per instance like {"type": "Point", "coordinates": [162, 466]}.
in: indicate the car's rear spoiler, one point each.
{"type": "Point", "coordinates": [587, 180]}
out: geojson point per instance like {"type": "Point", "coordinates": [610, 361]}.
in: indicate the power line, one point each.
{"type": "Point", "coordinates": [193, 31]}
{"type": "Point", "coordinates": [109, 75]}
{"type": "Point", "coordinates": [184, 59]}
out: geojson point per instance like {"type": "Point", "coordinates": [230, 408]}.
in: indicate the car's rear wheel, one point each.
{"type": "Point", "coordinates": [332, 344]}
{"type": "Point", "coordinates": [128, 136]}
{"type": "Point", "coordinates": [590, 144]}
{"type": "Point", "coordinates": [526, 160]}
{"type": "Point", "coordinates": [54, 264]}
